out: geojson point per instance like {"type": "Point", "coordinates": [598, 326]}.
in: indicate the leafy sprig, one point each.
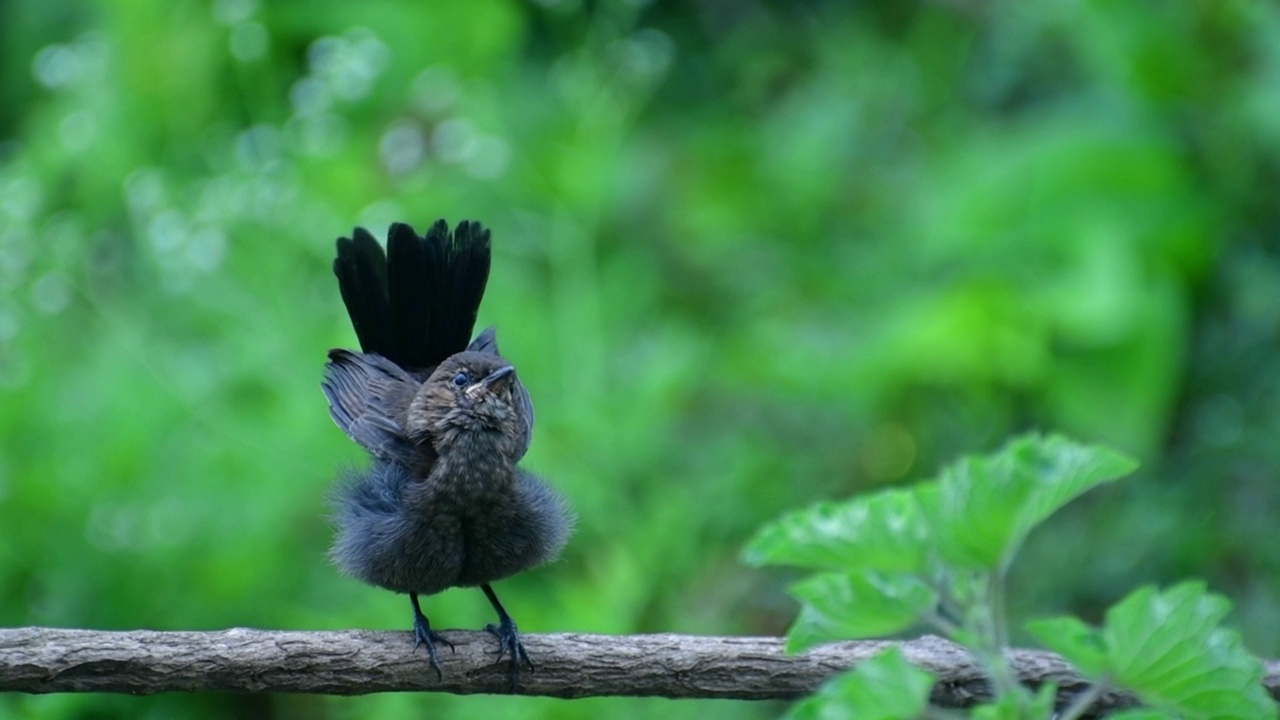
{"type": "Point", "coordinates": [936, 554]}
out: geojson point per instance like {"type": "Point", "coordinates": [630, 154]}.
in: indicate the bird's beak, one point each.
{"type": "Point", "coordinates": [493, 381]}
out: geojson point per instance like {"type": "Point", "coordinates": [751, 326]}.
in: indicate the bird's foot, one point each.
{"type": "Point", "coordinates": [424, 635]}
{"type": "Point", "coordinates": [509, 642]}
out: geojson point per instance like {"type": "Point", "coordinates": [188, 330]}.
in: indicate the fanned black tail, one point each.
{"type": "Point", "coordinates": [416, 304]}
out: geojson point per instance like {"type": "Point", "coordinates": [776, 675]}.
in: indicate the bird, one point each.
{"type": "Point", "coordinates": [445, 420]}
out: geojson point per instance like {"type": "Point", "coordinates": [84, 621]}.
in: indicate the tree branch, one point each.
{"type": "Point", "coordinates": [569, 665]}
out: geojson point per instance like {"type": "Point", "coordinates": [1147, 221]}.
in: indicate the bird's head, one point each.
{"type": "Point", "coordinates": [467, 398]}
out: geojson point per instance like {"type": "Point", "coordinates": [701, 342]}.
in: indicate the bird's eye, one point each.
{"type": "Point", "coordinates": [461, 379]}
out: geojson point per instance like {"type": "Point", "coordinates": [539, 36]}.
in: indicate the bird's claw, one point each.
{"type": "Point", "coordinates": [509, 642]}
{"type": "Point", "coordinates": [424, 635]}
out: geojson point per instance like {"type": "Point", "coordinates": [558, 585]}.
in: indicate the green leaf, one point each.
{"type": "Point", "coordinates": [885, 687]}
{"type": "Point", "coordinates": [1080, 644]}
{"type": "Point", "coordinates": [1142, 714]}
{"type": "Point", "coordinates": [981, 508]}
{"type": "Point", "coordinates": [839, 606]}
{"type": "Point", "coordinates": [1169, 650]}
{"type": "Point", "coordinates": [1019, 704]}
{"type": "Point", "coordinates": [884, 531]}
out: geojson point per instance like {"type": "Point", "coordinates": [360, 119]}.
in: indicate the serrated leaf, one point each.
{"type": "Point", "coordinates": [981, 508]}
{"type": "Point", "coordinates": [1169, 650]}
{"type": "Point", "coordinates": [884, 531]}
{"type": "Point", "coordinates": [841, 606]}
{"type": "Point", "coordinates": [885, 687]}
{"type": "Point", "coordinates": [1075, 641]}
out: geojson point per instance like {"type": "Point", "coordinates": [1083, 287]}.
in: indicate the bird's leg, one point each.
{"type": "Point", "coordinates": [508, 637]}
{"type": "Point", "coordinates": [424, 635]}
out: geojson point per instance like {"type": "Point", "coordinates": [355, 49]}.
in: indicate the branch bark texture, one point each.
{"type": "Point", "coordinates": [569, 665]}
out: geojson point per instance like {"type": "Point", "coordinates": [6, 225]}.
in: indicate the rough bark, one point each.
{"type": "Point", "coordinates": [569, 665]}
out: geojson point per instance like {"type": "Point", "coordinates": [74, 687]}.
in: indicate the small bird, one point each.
{"type": "Point", "coordinates": [445, 420]}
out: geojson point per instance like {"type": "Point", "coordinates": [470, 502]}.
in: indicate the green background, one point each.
{"type": "Point", "coordinates": [747, 255]}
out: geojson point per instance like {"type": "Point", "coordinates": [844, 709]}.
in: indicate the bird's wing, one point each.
{"type": "Point", "coordinates": [487, 342]}
{"type": "Point", "coordinates": [369, 397]}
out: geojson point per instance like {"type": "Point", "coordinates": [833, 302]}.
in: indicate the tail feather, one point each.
{"type": "Point", "coordinates": [417, 304]}
{"type": "Point", "coordinates": [361, 268]}
{"type": "Point", "coordinates": [411, 289]}
{"type": "Point", "coordinates": [466, 274]}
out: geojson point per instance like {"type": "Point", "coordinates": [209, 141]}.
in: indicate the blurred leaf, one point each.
{"type": "Point", "coordinates": [981, 508]}
{"type": "Point", "coordinates": [1142, 714]}
{"type": "Point", "coordinates": [884, 531]}
{"type": "Point", "coordinates": [1020, 704]}
{"type": "Point", "coordinates": [1169, 649]}
{"type": "Point", "coordinates": [885, 687]}
{"type": "Point", "coordinates": [1074, 640]}
{"type": "Point", "coordinates": [840, 606]}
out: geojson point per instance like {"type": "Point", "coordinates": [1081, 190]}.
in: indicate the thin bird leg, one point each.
{"type": "Point", "coordinates": [424, 635]}
{"type": "Point", "coordinates": [508, 636]}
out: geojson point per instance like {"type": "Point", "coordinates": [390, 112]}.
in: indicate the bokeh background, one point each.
{"type": "Point", "coordinates": [747, 255]}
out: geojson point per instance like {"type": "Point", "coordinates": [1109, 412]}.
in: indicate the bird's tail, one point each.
{"type": "Point", "coordinates": [416, 304]}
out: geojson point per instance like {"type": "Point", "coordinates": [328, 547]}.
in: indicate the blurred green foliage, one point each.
{"type": "Point", "coordinates": [747, 255]}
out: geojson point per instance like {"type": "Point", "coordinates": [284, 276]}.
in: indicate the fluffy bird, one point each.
{"type": "Point", "coordinates": [443, 503]}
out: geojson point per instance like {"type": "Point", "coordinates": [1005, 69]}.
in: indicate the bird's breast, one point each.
{"type": "Point", "coordinates": [467, 482]}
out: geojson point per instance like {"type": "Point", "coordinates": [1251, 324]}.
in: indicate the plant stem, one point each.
{"type": "Point", "coordinates": [997, 637]}
{"type": "Point", "coordinates": [941, 624]}
{"type": "Point", "coordinates": [999, 620]}
{"type": "Point", "coordinates": [1082, 703]}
